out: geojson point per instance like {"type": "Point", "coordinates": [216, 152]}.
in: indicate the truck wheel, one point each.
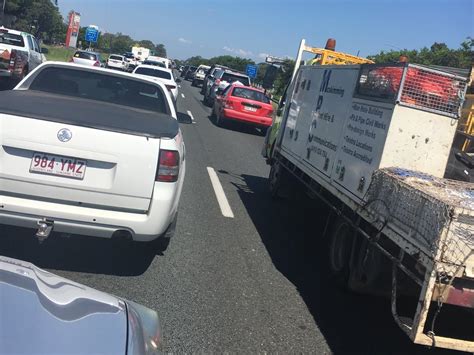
{"type": "Point", "coordinates": [366, 269]}
{"type": "Point", "coordinates": [279, 181]}
{"type": "Point", "coordinates": [339, 251]}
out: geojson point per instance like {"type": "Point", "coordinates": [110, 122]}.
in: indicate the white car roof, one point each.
{"type": "Point", "coordinates": [155, 68]}
{"type": "Point", "coordinates": [204, 66]}
{"type": "Point", "coordinates": [13, 32]}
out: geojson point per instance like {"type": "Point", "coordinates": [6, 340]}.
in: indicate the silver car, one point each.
{"type": "Point", "coordinates": [42, 313]}
{"type": "Point", "coordinates": [87, 58]}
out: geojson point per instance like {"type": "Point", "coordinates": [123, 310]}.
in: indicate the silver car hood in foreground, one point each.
{"type": "Point", "coordinates": [42, 313]}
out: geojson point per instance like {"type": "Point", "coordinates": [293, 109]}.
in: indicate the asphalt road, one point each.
{"type": "Point", "coordinates": [254, 283]}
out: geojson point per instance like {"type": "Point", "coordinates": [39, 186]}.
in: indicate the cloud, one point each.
{"type": "Point", "coordinates": [263, 55]}
{"type": "Point", "coordinates": [182, 40]}
{"type": "Point", "coordinates": [239, 52]}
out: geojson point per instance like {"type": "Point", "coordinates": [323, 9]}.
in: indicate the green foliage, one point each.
{"type": "Point", "coordinates": [437, 54]}
{"type": "Point", "coordinates": [160, 50]}
{"type": "Point", "coordinates": [43, 19]}
{"type": "Point", "coordinates": [39, 17]}
{"type": "Point", "coordinates": [235, 63]}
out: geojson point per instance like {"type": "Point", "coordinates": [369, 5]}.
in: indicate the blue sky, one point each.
{"type": "Point", "coordinates": [254, 28]}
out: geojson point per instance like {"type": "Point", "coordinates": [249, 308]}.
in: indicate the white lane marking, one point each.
{"type": "Point", "coordinates": [220, 195]}
{"type": "Point", "coordinates": [191, 115]}
{"type": "Point", "coordinates": [183, 96]}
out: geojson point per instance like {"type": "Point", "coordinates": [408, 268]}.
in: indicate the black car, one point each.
{"type": "Point", "coordinates": [183, 72]}
{"type": "Point", "coordinates": [189, 73]}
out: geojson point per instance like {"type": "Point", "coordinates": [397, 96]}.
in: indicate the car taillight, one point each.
{"type": "Point", "coordinates": [270, 113]}
{"type": "Point", "coordinates": [169, 87]}
{"type": "Point", "coordinates": [11, 65]}
{"type": "Point", "coordinates": [168, 166]}
{"type": "Point", "coordinates": [97, 63]}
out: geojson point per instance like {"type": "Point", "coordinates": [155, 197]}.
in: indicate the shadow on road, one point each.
{"type": "Point", "coordinates": [76, 253]}
{"type": "Point", "coordinates": [236, 126]}
{"type": "Point", "coordinates": [291, 232]}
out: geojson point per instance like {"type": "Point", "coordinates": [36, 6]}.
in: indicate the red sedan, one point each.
{"type": "Point", "coordinates": [243, 104]}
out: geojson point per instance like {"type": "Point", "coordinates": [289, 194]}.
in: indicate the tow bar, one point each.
{"type": "Point", "coordinates": [45, 228]}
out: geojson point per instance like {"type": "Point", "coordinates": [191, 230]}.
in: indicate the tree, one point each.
{"type": "Point", "coordinates": [437, 54]}
{"type": "Point", "coordinates": [121, 43]}
{"type": "Point", "coordinates": [146, 44]}
{"type": "Point", "coordinates": [160, 50]}
{"type": "Point", "coordinates": [39, 17]}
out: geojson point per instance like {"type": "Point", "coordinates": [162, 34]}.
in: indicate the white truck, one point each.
{"type": "Point", "coordinates": [92, 151]}
{"type": "Point", "coordinates": [19, 54]}
{"type": "Point", "coordinates": [372, 142]}
{"type": "Point", "coordinates": [141, 53]}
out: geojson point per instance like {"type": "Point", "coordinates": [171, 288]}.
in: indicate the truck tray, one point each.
{"type": "Point", "coordinates": [433, 213]}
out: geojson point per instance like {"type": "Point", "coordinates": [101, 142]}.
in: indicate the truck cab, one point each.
{"type": "Point", "coordinates": [19, 54]}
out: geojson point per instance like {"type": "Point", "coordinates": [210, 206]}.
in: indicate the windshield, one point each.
{"type": "Point", "coordinates": [11, 39]}
{"type": "Point", "coordinates": [250, 94]}
{"type": "Point", "coordinates": [86, 55]}
{"type": "Point", "coordinates": [230, 78]}
{"type": "Point", "coordinates": [151, 62]}
{"type": "Point", "coordinates": [100, 87]}
{"type": "Point", "coordinates": [154, 72]}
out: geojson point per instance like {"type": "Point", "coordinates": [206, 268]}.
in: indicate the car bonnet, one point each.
{"type": "Point", "coordinates": [45, 313]}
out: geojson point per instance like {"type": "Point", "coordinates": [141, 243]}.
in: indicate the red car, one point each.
{"type": "Point", "coordinates": [243, 104]}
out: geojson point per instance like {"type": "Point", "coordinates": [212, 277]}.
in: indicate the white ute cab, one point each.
{"type": "Point", "coordinates": [90, 151]}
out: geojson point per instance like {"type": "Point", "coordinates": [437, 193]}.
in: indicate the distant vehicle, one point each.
{"type": "Point", "coordinates": [141, 53]}
{"type": "Point", "coordinates": [199, 74]}
{"type": "Point", "coordinates": [86, 58]}
{"type": "Point", "coordinates": [167, 62]}
{"type": "Point", "coordinates": [155, 63]}
{"type": "Point", "coordinates": [190, 72]}
{"type": "Point", "coordinates": [19, 54]}
{"type": "Point", "coordinates": [105, 155]}
{"type": "Point", "coordinates": [181, 67]}
{"type": "Point", "coordinates": [243, 104]}
{"type": "Point", "coordinates": [222, 79]}
{"type": "Point", "coordinates": [183, 72]}
{"type": "Point", "coordinates": [79, 317]}
{"type": "Point", "coordinates": [210, 75]}
{"type": "Point", "coordinates": [132, 61]}
{"type": "Point", "coordinates": [163, 75]}
{"type": "Point", "coordinates": [116, 61]}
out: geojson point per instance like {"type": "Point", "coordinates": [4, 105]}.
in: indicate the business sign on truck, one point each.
{"type": "Point", "coordinates": [72, 33]}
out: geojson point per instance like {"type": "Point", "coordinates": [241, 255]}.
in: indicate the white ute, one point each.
{"type": "Point", "coordinates": [90, 151]}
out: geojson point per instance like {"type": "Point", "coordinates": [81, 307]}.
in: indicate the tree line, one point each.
{"type": "Point", "coordinates": [43, 19]}
{"type": "Point", "coordinates": [438, 54]}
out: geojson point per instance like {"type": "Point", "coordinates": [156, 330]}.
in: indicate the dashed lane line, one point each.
{"type": "Point", "coordinates": [220, 195]}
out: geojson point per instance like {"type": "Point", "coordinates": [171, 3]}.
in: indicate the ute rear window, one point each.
{"type": "Point", "coordinates": [101, 87]}
{"type": "Point", "coordinates": [250, 95]}
{"type": "Point", "coordinates": [157, 73]}
{"type": "Point", "coordinates": [85, 55]}
{"type": "Point", "coordinates": [116, 57]}
{"type": "Point", "coordinates": [11, 39]}
{"type": "Point", "coordinates": [230, 78]}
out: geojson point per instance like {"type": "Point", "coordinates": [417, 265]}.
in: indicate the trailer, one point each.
{"type": "Point", "coordinates": [372, 142]}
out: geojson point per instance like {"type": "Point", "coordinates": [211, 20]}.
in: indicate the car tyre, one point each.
{"type": "Point", "coordinates": [193, 83]}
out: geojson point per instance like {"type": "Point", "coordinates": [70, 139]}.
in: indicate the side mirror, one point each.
{"type": "Point", "coordinates": [184, 118]}
{"type": "Point", "coordinates": [465, 159]}
{"type": "Point", "coordinates": [44, 50]}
